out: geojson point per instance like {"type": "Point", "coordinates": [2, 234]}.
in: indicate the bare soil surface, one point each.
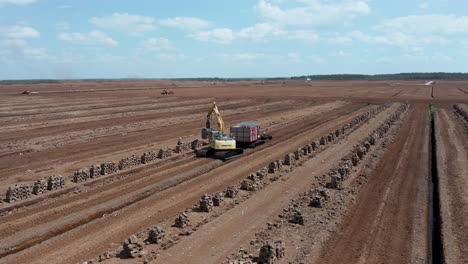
{"type": "Point", "coordinates": [389, 223]}
{"type": "Point", "coordinates": [351, 90]}
{"type": "Point", "coordinates": [35, 232]}
{"type": "Point", "coordinates": [382, 214]}
{"type": "Point", "coordinates": [235, 228]}
{"type": "Point", "coordinates": [452, 157]}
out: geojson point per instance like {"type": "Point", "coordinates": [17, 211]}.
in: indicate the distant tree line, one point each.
{"type": "Point", "coordinates": [382, 77]}
{"type": "Point", "coordinates": [331, 77]}
{"type": "Point", "coordinates": [32, 81]}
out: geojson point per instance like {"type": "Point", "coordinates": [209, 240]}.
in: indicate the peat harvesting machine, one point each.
{"type": "Point", "coordinates": [224, 147]}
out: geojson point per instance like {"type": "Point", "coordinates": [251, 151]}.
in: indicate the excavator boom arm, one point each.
{"type": "Point", "coordinates": [214, 109]}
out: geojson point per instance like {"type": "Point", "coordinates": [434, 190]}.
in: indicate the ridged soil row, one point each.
{"type": "Point", "coordinates": [214, 241]}
{"type": "Point", "coordinates": [55, 110]}
{"type": "Point", "coordinates": [271, 122]}
{"type": "Point", "coordinates": [142, 184]}
{"type": "Point", "coordinates": [69, 134]}
{"type": "Point", "coordinates": [28, 103]}
{"type": "Point", "coordinates": [84, 121]}
{"type": "Point", "coordinates": [107, 144]}
{"type": "Point", "coordinates": [452, 154]}
{"type": "Point", "coordinates": [389, 221]}
{"type": "Point", "coordinates": [248, 188]}
{"type": "Point", "coordinates": [70, 247]}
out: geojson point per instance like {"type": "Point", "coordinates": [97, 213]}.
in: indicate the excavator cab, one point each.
{"type": "Point", "coordinates": [219, 141]}
{"type": "Point", "coordinates": [216, 135]}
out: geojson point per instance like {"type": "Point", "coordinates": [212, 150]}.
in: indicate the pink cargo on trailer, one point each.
{"type": "Point", "coordinates": [246, 132]}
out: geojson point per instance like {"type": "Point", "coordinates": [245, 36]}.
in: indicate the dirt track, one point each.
{"type": "Point", "coordinates": [271, 201]}
{"type": "Point", "coordinates": [45, 134]}
{"type": "Point", "coordinates": [133, 226]}
{"type": "Point", "coordinates": [389, 222]}
{"type": "Point", "coordinates": [452, 156]}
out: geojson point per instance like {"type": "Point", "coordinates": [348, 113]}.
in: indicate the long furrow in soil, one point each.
{"type": "Point", "coordinates": [41, 121]}
{"type": "Point", "coordinates": [452, 157]}
{"type": "Point", "coordinates": [273, 118]}
{"type": "Point", "coordinates": [140, 178]}
{"type": "Point", "coordinates": [84, 121]}
{"type": "Point", "coordinates": [185, 189]}
{"type": "Point", "coordinates": [35, 110]}
{"type": "Point", "coordinates": [14, 103]}
{"type": "Point", "coordinates": [140, 183]}
{"type": "Point", "coordinates": [235, 228]}
{"type": "Point", "coordinates": [107, 144]}
{"type": "Point", "coordinates": [274, 124]}
{"type": "Point", "coordinates": [390, 222]}
{"type": "Point", "coordinates": [63, 108]}
{"type": "Point", "coordinates": [60, 136]}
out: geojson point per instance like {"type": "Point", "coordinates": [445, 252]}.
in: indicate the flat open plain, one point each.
{"type": "Point", "coordinates": [376, 176]}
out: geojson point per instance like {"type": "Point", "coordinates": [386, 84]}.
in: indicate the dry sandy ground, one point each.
{"type": "Point", "coordinates": [389, 223]}
{"type": "Point", "coordinates": [386, 220]}
{"type": "Point", "coordinates": [452, 157]}
{"type": "Point", "coordinates": [212, 243]}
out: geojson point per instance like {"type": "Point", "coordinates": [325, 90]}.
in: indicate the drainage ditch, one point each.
{"type": "Point", "coordinates": [437, 254]}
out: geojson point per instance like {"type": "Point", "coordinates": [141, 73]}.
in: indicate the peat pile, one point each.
{"type": "Point", "coordinates": [23, 191]}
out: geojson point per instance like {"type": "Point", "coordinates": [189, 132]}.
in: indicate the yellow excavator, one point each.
{"type": "Point", "coordinates": [221, 146]}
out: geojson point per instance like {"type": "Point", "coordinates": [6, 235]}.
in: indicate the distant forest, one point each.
{"type": "Point", "coordinates": [330, 77]}
{"type": "Point", "coordinates": [383, 77]}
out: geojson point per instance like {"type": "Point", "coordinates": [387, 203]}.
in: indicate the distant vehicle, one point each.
{"type": "Point", "coordinates": [166, 92]}
{"type": "Point", "coordinates": [28, 92]}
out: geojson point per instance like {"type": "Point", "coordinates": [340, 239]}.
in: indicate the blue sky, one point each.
{"type": "Point", "coordinates": [243, 38]}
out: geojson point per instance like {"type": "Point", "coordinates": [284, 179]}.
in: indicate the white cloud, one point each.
{"type": "Point", "coordinates": [16, 2]}
{"type": "Point", "coordinates": [264, 31]}
{"type": "Point", "coordinates": [18, 32]}
{"type": "Point", "coordinates": [411, 32]}
{"type": "Point", "coordinates": [428, 60]}
{"type": "Point", "coordinates": [131, 24]}
{"type": "Point", "coordinates": [157, 44]}
{"type": "Point", "coordinates": [185, 23]}
{"type": "Point", "coordinates": [303, 35]}
{"type": "Point", "coordinates": [409, 42]}
{"type": "Point", "coordinates": [161, 48]}
{"type": "Point", "coordinates": [397, 39]}
{"type": "Point", "coordinates": [172, 56]}
{"type": "Point", "coordinates": [425, 24]}
{"type": "Point", "coordinates": [314, 12]}
{"type": "Point", "coordinates": [260, 31]}
{"type": "Point", "coordinates": [257, 32]}
{"type": "Point", "coordinates": [13, 42]}
{"type": "Point", "coordinates": [292, 23]}
{"type": "Point", "coordinates": [342, 39]}
{"type": "Point", "coordinates": [93, 38]}
{"type": "Point", "coordinates": [17, 49]}
{"type": "Point", "coordinates": [36, 53]}
{"type": "Point", "coordinates": [248, 57]}
{"type": "Point", "coordinates": [244, 56]}
{"type": "Point", "coordinates": [64, 6]}
{"type": "Point", "coordinates": [315, 59]}
{"type": "Point", "coordinates": [62, 26]}
{"type": "Point", "coordinates": [218, 35]}
{"type": "Point", "coordinates": [424, 5]}
{"type": "Point", "coordinates": [341, 53]}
